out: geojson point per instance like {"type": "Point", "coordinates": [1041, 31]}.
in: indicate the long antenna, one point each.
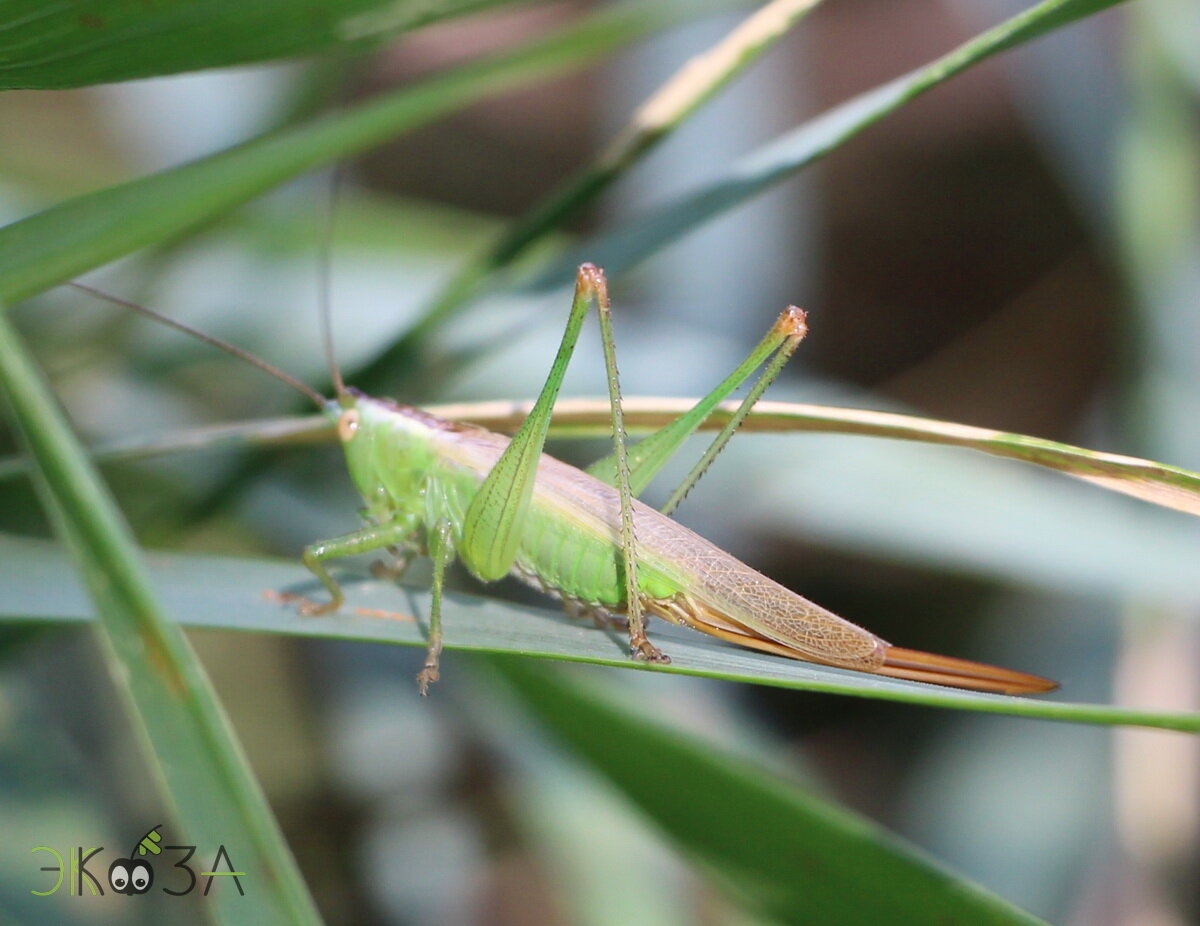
{"type": "Point", "coordinates": [317, 398]}
{"type": "Point", "coordinates": [324, 285]}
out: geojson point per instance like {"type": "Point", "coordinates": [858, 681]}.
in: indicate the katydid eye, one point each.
{"type": "Point", "coordinates": [348, 425]}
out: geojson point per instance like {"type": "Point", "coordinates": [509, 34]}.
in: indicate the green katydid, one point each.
{"type": "Point", "coordinates": [503, 507]}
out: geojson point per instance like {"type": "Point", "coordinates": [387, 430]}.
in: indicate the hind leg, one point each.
{"type": "Point", "coordinates": [604, 620]}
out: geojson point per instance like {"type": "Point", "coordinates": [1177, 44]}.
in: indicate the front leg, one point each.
{"type": "Point", "coordinates": [394, 533]}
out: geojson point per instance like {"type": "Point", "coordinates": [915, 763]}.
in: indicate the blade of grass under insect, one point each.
{"type": "Point", "coordinates": [88, 231]}
{"type": "Point", "coordinates": [778, 849]}
{"type": "Point", "coordinates": [1157, 483]}
{"type": "Point", "coordinates": [237, 594]}
{"type": "Point", "coordinates": [642, 236]}
{"type": "Point", "coordinates": [688, 89]}
{"type": "Point", "coordinates": [185, 735]}
{"type": "Point", "coordinates": [58, 45]}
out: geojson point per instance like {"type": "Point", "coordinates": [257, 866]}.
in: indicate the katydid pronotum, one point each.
{"type": "Point", "coordinates": [446, 489]}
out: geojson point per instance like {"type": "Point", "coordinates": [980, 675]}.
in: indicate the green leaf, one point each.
{"type": "Point", "coordinates": [1157, 483]}
{"type": "Point", "coordinates": [242, 594]}
{"type": "Point", "coordinates": [184, 732]}
{"type": "Point", "coordinates": [618, 250]}
{"type": "Point", "coordinates": [781, 851]}
{"type": "Point", "coordinates": [88, 231]}
{"type": "Point", "coordinates": [57, 45]}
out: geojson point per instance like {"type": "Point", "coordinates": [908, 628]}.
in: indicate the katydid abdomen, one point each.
{"type": "Point", "coordinates": [416, 469]}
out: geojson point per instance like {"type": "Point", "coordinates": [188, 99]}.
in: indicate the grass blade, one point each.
{"type": "Point", "coordinates": [88, 231]}
{"type": "Point", "coordinates": [780, 850]}
{"type": "Point", "coordinates": [185, 734]}
{"type": "Point", "coordinates": [236, 594]}
{"type": "Point", "coordinates": [1157, 483]}
{"type": "Point", "coordinates": [630, 244]}
{"type": "Point", "coordinates": [59, 45]}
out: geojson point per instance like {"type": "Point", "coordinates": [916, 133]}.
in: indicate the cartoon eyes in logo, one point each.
{"type": "Point", "coordinates": [132, 876]}
{"type": "Point", "coordinates": [129, 877]}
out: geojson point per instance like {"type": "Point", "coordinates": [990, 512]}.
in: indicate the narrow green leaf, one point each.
{"type": "Point", "coordinates": [624, 247]}
{"type": "Point", "coordinates": [86, 232]}
{"type": "Point", "coordinates": [185, 734]}
{"type": "Point", "coordinates": [241, 594]}
{"type": "Point", "coordinates": [1157, 483]}
{"type": "Point", "coordinates": [58, 45]}
{"type": "Point", "coordinates": [781, 851]}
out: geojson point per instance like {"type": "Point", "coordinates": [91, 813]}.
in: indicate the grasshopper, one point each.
{"type": "Point", "coordinates": [446, 489]}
